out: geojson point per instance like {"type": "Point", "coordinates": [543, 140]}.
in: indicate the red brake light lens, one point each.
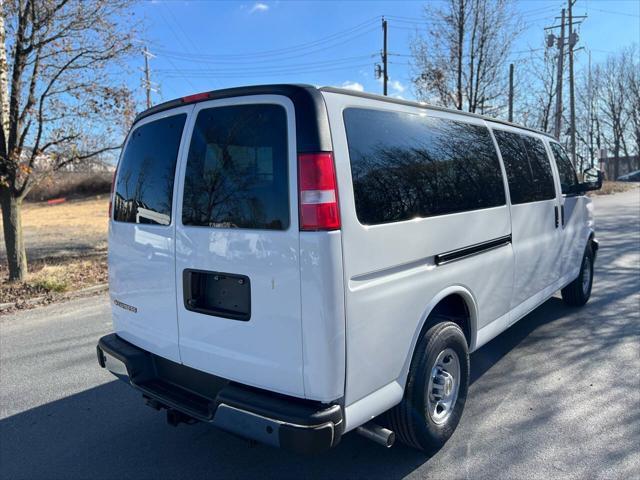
{"type": "Point", "coordinates": [318, 192]}
{"type": "Point", "coordinates": [196, 97]}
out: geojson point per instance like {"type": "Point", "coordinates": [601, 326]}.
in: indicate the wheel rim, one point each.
{"type": "Point", "coordinates": [586, 275]}
{"type": "Point", "coordinates": [443, 386]}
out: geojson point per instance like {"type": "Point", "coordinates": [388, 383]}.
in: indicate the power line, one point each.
{"type": "Point", "coordinates": [179, 41]}
{"type": "Point", "coordinates": [216, 73]}
{"type": "Point", "coordinates": [213, 60]}
{"type": "Point", "coordinates": [258, 69]}
{"type": "Point", "coordinates": [261, 63]}
{"type": "Point", "coordinates": [360, 29]}
{"type": "Point", "coordinates": [616, 13]}
{"type": "Point", "coordinates": [249, 68]}
{"type": "Point", "coordinates": [177, 23]}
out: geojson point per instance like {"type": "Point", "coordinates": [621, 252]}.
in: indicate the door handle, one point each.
{"type": "Point", "coordinates": [555, 210]}
{"type": "Point", "coordinates": [562, 214]}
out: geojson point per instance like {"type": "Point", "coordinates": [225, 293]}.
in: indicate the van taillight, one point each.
{"type": "Point", "coordinates": [318, 192]}
{"type": "Point", "coordinates": [113, 182]}
{"type": "Point", "coordinates": [196, 97]}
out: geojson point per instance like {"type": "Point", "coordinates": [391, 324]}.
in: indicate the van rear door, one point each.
{"type": "Point", "coordinates": [237, 244]}
{"type": "Point", "coordinates": [142, 234]}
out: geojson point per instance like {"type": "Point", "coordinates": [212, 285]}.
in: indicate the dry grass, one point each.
{"type": "Point", "coordinates": [50, 279]}
{"type": "Point", "coordinates": [77, 218]}
{"type": "Point", "coordinates": [614, 187]}
{"type": "Point", "coordinates": [68, 229]}
{"type": "Point", "coordinates": [66, 248]}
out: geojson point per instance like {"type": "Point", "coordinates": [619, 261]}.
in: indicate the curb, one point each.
{"type": "Point", "coordinates": [65, 296]}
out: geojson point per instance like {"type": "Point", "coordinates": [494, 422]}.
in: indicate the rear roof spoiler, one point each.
{"type": "Point", "coordinates": [312, 122]}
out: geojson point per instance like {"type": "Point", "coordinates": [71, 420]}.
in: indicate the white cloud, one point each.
{"type": "Point", "coordinates": [358, 87]}
{"type": "Point", "coordinates": [397, 86]}
{"type": "Point", "coordinates": [259, 7]}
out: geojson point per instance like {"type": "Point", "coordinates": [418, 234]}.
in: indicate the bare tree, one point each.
{"type": "Point", "coordinates": [588, 118]}
{"type": "Point", "coordinates": [536, 84]}
{"type": "Point", "coordinates": [462, 59]}
{"type": "Point", "coordinates": [633, 96]}
{"type": "Point", "coordinates": [613, 111]}
{"type": "Point", "coordinates": [61, 95]}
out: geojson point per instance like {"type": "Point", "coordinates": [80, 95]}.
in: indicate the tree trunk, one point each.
{"type": "Point", "coordinates": [4, 86]}
{"type": "Point", "coordinates": [12, 224]}
{"type": "Point", "coordinates": [460, 45]}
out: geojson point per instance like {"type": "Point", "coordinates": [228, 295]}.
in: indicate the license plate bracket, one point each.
{"type": "Point", "coordinates": [226, 295]}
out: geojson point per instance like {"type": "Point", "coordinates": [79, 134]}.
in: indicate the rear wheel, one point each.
{"type": "Point", "coordinates": [577, 293]}
{"type": "Point", "coordinates": [436, 389]}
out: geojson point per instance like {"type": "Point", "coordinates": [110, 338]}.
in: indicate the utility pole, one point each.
{"type": "Point", "coordinates": [560, 43]}
{"type": "Point", "coordinates": [385, 74]}
{"type": "Point", "coordinates": [590, 90]}
{"type": "Point", "coordinates": [511, 92]}
{"type": "Point", "coordinates": [572, 103]}
{"type": "Point", "coordinates": [147, 75]}
{"type": "Point", "coordinates": [558, 117]}
{"type": "Point", "coordinates": [461, 24]}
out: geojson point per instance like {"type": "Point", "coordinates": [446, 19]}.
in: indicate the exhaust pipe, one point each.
{"type": "Point", "coordinates": [380, 435]}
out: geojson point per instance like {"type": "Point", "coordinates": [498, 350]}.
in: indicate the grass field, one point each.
{"type": "Point", "coordinates": [66, 248]}
{"type": "Point", "coordinates": [73, 225]}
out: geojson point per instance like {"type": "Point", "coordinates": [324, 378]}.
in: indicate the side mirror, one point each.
{"type": "Point", "coordinates": [592, 180]}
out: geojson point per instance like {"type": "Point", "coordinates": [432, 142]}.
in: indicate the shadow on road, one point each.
{"type": "Point", "coordinates": [106, 432]}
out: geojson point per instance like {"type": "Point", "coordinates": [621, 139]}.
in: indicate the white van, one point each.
{"type": "Point", "coordinates": [325, 260]}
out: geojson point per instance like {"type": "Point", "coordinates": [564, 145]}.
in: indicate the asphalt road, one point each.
{"type": "Point", "coordinates": [556, 396]}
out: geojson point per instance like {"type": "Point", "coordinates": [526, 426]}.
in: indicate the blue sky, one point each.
{"type": "Point", "coordinates": [205, 45]}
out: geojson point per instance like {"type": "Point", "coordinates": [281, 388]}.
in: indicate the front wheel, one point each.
{"type": "Point", "coordinates": [436, 389]}
{"type": "Point", "coordinates": [577, 293]}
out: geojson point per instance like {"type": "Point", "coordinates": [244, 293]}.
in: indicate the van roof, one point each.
{"type": "Point", "coordinates": [312, 106]}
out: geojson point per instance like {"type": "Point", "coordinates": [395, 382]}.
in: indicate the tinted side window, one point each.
{"type": "Point", "coordinates": [406, 166]}
{"type": "Point", "coordinates": [144, 189]}
{"type": "Point", "coordinates": [236, 174]}
{"type": "Point", "coordinates": [528, 168]}
{"type": "Point", "coordinates": [567, 173]}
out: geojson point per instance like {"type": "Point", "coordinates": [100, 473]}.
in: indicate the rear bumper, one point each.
{"type": "Point", "coordinates": [278, 420]}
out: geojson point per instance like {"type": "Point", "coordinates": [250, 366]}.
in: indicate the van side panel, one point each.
{"type": "Point", "coordinates": [535, 215]}
{"type": "Point", "coordinates": [577, 225]}
{"type": "Point", "coordinates": [390, 272]}
{"type": "Point", "coordinates": [323, 321]}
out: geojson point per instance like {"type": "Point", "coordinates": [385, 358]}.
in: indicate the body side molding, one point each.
{"type": "Point", "coordinates": [464, 252]}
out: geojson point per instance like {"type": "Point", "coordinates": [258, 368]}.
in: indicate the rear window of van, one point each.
{"type": "Point", "coordinates": [144, 186]}
{"type": "Point", "coordinates": [408, 165]}
{"type": "Point", "coordinates": [237, 173]}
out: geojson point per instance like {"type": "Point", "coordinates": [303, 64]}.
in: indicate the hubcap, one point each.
{"type": "Point", "coordinates": [443, 385]}
{"type": "Point", "coordinates": [586, 275]}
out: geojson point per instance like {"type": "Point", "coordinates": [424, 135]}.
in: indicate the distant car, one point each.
{"type": "Point", "coordinates": [630, 177]}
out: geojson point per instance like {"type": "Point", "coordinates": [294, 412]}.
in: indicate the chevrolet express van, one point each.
{"type": "Point", "coordinates": [291, 263]}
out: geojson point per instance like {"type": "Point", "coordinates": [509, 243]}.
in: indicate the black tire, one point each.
{"type": "Point", "coordinates": [577, 293]}
{"type": "Point", "coordinates": [410, 419]}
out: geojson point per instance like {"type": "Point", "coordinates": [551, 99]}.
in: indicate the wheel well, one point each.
{"type": "Point", "coordinates": [455, 309]}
